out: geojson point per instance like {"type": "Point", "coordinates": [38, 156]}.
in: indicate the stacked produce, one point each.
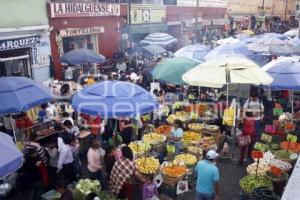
{"type": "Point", "coordinates": [139, 147]}
{"type": "Point", "coordinates": [187, 159]}
{"type": "Point", "coordinates": [147, 165]}
{"type": "Point", "coordinates": [195, 150]}
{"type": "Point", "coordinates": [164, 130]}
{"type": "Point", "coordinates": [206, 142]}
{"type": "Point", "coordinates": [285, 156]}
{"type": "Point", "coordinates": [292, 146]}
{"type": "Point", "coordinates": [182, 116]}
{"type": "Point", "coordinates": [85, 187]}
{"type": "Point", "coordinates": [154, 138]}
{"type": "Point", "coordinates": [251, 182]}
{"type": "Point", "coordinates": [269, 159]}
{"type": "Point", "coordinates": [174, 170]}
{"type": "Point", "coordinates": [197, 127]}
{"type": "Point", "coordinates": [283, 176]}
{"type": "Point", "coordinates": [189, 137]}
{"type": "Point", "coordinates": [262, 169]}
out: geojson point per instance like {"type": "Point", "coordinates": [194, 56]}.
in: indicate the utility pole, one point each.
{"type": "Point", "coordinates": [196, 20]}
{"type": "Point", "coordinates": [285, 10]}
{"type": "Point", "coordinates": [129, 23]}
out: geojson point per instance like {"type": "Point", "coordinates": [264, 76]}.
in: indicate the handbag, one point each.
{"type": "Point", "coordinates": [244, 140]}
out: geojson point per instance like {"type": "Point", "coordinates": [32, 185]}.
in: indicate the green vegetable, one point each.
{"type": "Point", "coordinates": [86, 186]}
{"type": "Point", "coordinates": [251, 182]}
{"type": "Point", "coordinates": [282, 154]}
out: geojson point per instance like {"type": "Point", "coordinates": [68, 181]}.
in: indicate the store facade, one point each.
{"type": "Point", "coordinates": [24, 40]}
{"type": "Point", "coordinates": [94, 26]}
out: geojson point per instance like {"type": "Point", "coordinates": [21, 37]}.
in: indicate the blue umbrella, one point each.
{"type": "Point", "coordinates": [154, 49]}
{"type": "Point", "coordinates": [113, 99]}
{"type": "Point", "coordinates": [285, 72]}
{"type": "Point", "coordinates": [11, 159]}
{"type": "Point", "coordinates": [196, 52]}
{"type": "Point", "coordinates": [162, 39]}
{"type": "Point", "coordinates": [234, 49]}
{"type": "Point", "coordinates": [19, 94]}
{"type": "Point", "coordinates": [82, 56]}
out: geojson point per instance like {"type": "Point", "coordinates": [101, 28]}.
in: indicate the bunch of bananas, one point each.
{"type": "Point", "coordinates": [195, 150]}
{"type": "Point", "coordinates": [196, 126]}
{"type": "Point", "coordinates": [189, 137]}
{"type": "Point", "coordinates": [187, 159]}
{"type": "Point", "coordinates": [147, 165]}
{"type": "Point", "coordinates": [153, 138]}
{"type": "Point", "coordinates": [139, 147]}
{"type": "Point", "coordinates": [171, 119]}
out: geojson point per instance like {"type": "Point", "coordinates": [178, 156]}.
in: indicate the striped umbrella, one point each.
{"type": "Point", "coordinates": [162, 39]}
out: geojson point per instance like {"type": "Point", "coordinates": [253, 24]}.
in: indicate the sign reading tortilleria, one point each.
{"type": "Point", "coordinates": [81, 31]}
{"type": "Point", "coordinates": [18, 43]}
{"type": "Point", "coordinates": [84, 9]}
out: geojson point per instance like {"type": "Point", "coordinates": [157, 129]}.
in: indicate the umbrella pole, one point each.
{"type": "Point", "coordinates": [12, 126]}
{"type": "Point", "coordinates": [292, 100]}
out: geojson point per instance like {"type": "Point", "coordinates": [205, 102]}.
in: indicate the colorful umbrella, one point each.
{"type": "Point", "coordinates": [113, 99]}
{"type": "Point", "coordinates": [11, 159]}
{"type": "Point", "coordinates": [172, 69]}
{"type": "Point", "coordinates": [19, 94]}
{"type": "Point", "coordinates": [82, 56]}
{"type": "Point", "coordinates": [196, 52]}
{"type": "Point", "coordinates": [161, 39]}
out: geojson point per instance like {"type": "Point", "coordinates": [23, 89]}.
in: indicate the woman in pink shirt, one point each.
{"type": "Point", "coordinates": [94, 163]}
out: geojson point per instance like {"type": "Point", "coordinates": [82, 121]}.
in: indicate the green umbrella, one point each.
{"type": "Point", "coordinates": [172, 69]}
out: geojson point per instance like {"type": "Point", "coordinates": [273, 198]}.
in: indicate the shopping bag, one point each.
{"type": "Point", "coordinates": [228, 118]}
{"type": "Point", "coordinates": [244, 140]}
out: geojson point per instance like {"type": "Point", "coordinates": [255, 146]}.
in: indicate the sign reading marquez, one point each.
{"type": "Point", "coordinates": [84, 9]}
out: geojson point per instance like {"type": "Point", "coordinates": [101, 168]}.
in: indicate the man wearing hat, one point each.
{"type": "Point", "coordinates": [208, 178]}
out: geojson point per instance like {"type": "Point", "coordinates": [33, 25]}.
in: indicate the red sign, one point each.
{"type": "Point", "coordinates": [84, 9]}
{"type": "Point", "coordinates": [257, 154]}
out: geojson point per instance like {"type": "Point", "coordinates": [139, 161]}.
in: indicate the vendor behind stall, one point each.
{"type": "Point", "coordinates": [176, 135]}
{"type": "Point", "coordinates": [122, 175]}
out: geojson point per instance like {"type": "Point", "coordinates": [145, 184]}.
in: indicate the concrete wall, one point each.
{"type": "Point", "coordinates": [279, 7]}
{"type": "Point", "coordinates": [18, 13]}
{"type": "Point", "coordinates": [248, 7]}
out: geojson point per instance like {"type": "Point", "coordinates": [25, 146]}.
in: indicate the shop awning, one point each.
{"type": "Point", "coordinates": [239, 18]}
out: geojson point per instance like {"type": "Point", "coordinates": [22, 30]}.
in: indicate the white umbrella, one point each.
{"type": "Point", "coordinates": [224, 71]}
{"type": "Point", "coordinates": [213, 73]}
{"type": "Point", "coordinates": [229, 40]}
{"type": "Point", "coordinates": [162, 39]}
{"type": "Point", "coordinates": [292, 33]}
{"type": "Point", "coordinates": [274, 46]}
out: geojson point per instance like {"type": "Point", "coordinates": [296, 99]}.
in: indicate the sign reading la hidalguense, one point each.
{"type": "Point", "coordinates": [84, 9]}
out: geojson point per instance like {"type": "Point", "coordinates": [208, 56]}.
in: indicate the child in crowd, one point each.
{"type": "Point", "coordinates": [248, 129]}
{"type": "Point", "coordinates": [150, 189]}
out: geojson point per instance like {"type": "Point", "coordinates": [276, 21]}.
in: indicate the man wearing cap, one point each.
{"type": "Point", "coordinates": [208, 178]}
